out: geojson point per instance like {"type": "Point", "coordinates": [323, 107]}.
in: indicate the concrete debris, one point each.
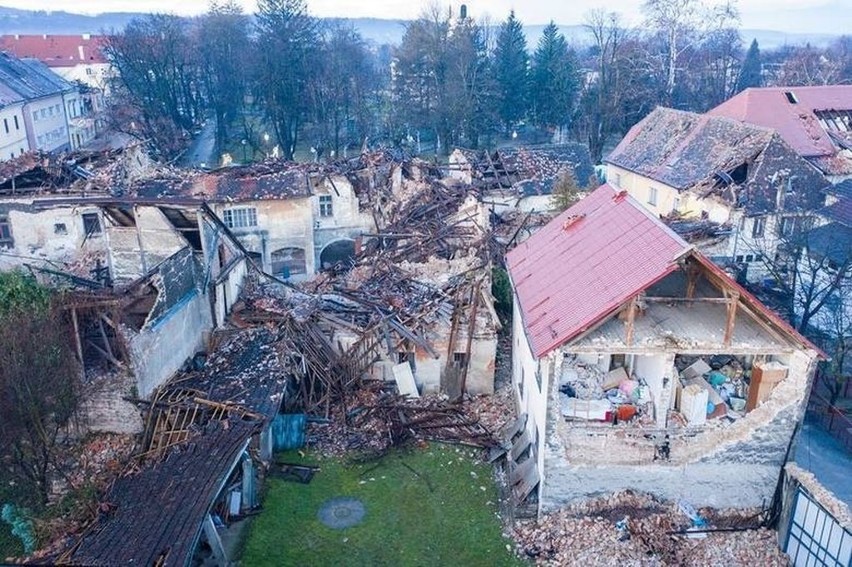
{"type": "Point", "coordinates": [821, 494]}
{"type": "Point", "coordinates": [593, 533]}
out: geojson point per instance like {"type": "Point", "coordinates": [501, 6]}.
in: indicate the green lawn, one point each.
{"type": "Point", "coordinates": [444, 514]}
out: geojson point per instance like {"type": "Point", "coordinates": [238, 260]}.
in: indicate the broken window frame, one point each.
{"type": "Point", "coordinates": [326, 206]}
{"type": "Point", "coordinates": [758, 227]}
{"type": "Point", "coordinates": [6, 238]}
{"type": "Point", "coordinates": [240, 217]}
{"type": "Point", "coordinates": [91, 224]}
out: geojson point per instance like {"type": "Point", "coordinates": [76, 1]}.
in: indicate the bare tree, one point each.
{"type": "Point", "coordinates": [681, 26]}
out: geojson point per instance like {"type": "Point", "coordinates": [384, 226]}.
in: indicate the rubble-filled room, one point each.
{"type": "Point", "coordinates": [636, 391]}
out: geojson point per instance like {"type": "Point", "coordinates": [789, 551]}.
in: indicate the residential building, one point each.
{"type": "Point", "coordinates": [747, 178]}
{"type": "Point", "coordinates": [639, 364]}
{"type": "Point", "coordinates": [76, 58]}
{"type": "Point", "coordinates": [815, 121]}
{"type": "Point", "coordinates": [44, 94]}
{"type": "Point", "coordinates": [13, 132]}
{"type": "Point", "coordinates": [293, 219]}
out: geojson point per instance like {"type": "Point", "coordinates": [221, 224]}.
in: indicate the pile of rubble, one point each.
{"type": "Point", "coordinates": [375, 419]}
{"type": "Point", "coordinates": [632, 529]}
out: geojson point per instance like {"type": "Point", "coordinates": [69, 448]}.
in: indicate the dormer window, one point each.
{"type": "Point", "coordinates": [791, 97]}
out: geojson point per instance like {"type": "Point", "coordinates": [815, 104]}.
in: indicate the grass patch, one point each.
{"type": "Point", "coordinates": [433, 506]}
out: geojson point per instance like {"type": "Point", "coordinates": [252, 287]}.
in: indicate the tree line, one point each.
{"type": "Point", "coordinates": [453, 80]}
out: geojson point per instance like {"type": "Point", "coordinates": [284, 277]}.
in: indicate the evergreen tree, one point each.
{"type": "Point", "coordinates": [511, 71]}
{"type": "Point", "coordinates": [288, 44]}
{"type": "Point", "coordinates": [554, 80]}
{"type": "Point", "coordinates": [750, 71]}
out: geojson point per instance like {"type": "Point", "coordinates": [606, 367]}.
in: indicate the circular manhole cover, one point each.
{"type": "Point", "coordinates": [340, 513]}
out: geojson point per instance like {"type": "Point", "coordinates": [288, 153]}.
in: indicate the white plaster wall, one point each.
{"type": "Point", "coordinates": [159, 241]}
{"type": "Point", "coordinates": [531, 397]}
{"type": "Point", "coordinates": [42, 126]}
{"type": "Point", "coordinates": [157, 354]}
{"type": "Point", "coordinates": [95, 75]}
{"type": "Point", "coordinates": [35, 234]}
{"type": "Point", "coordinates": [283, 223]}
{"type": "Point", "coordinates": [228, 291]}
{"type": "Point", "coordinates": [656, 370]}
{"type": "Point", "coordinates": [15, 142]}
{"type": "Point", "coordinates": [347, 222]}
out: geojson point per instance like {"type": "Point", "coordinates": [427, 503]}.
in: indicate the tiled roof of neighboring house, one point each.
{"type": "Point", "coordinates": [57, 50]}
{"type": "Point", "coordinates": [268, 180]}
{"type": "Point", "coordinates": [744, 165]}
{"type": "Point", "coordinates": [833, 240]}
{"type": "Point", "coordinates": [796, 112]}
{"type": "Point", "coordinates": [537, 170]}
{"type": "Point", "coordinates": [841, 211]}
{"type": "Point", "coordinates": [8, 96]}
{"type": "Point", "coordinates": [30, 78]}
{"type": "Point", "coordinates": [586, 263]}
{"type": "Point", "coordinates": [842, 189]}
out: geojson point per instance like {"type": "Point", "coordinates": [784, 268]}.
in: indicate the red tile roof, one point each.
{"type": "Point", "coordinates": [586, 263]}
{"type": "Point", "coordinates": [56, 50]}
{"type": "Point", "coordinates": [797, 123]}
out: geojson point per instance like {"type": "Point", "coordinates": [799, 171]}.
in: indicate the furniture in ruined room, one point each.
{"type": "Point", "coordinates": [764, 377]}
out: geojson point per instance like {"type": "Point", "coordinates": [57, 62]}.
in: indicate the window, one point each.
{"type": "Point", "coordinates": [325, 206]}
{"type": "Point", "coordinates": [6, 124]}
{"type": "Point", "coordinates": [60, 228]}
{"type": "Point", "coordinates": [749, 258]}
{"type": "Point", "coordinates": [17, 127]}
{"type": "Point", "coordinates": [793, 225]}
{"type": "Point", "coordinates": [758, 227]}
{"type": "Point", "coordinates": [91, 224]}
{"type": "Point", "coordinates": [676, 205]}
{"type": "Point", "coordinates": [652, 196]}
{"type": "Point", "coordinates": [244, 217]}
{"type": "Point", "coordinates": [459, 360]}
{"type": "Point", "coordinates": [89, 71]}
{"type": "Point", "coordinates": [617, 180]}
{"type": "Point", "coordinates": [739, 259]}
{"type": "Point", "coordinates": [6, 232]}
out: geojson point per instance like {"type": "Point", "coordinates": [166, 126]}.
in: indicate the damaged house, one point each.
{"type": "Point", "coordinates": [208, 433]}
{"type": "Point", "coordinates": [746, 179]}
{"type": "Point", "coordinates": [140, 273]}
{"type": "Point", "coordinates": [523, 177]}
{"type": "Point", "coordinates": [293, 219]}
{"type": "Point", "coordinates": [815, 121]}
{"type": "Point", "coordinates": [639, 364]}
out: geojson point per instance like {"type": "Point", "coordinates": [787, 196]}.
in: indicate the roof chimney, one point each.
{"type": "Point", "coordinates": [87, 36]}
{"type": "Point", "coordinates": [463, 12]}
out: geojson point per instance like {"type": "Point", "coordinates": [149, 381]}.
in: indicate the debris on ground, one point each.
{"type": "Point", "coordinates": [626, 528]}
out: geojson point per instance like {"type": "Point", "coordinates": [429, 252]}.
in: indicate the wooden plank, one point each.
{"type": "Point", "coordinates": [731, 320]}
{"type": "Point", "coordinates": [521, 445]}
{"type": "Point", "coordinates": [631, 318]}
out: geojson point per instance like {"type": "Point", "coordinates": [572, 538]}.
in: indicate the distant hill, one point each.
{"type": "Point", "coordinates": [375, 30]}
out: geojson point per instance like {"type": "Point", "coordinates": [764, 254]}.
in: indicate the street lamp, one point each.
{"type": "Point", "coordinates": [266, 143]}
{"type": "Point", "coordinates": [244, 142]}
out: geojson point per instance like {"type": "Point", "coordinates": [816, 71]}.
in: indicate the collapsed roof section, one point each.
{"type": "Point", "coordinates": [529, 170]}
{"type": "Point", "coordinates": [815, 121]}
{"type": "Point", "coordinates": [201, 426]}
{"type": "Point", "coordinates": [746, 166]}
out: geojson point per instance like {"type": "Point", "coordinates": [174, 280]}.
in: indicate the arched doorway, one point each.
{"type": "Point", "coordinates": [288, 262]}
{"type": "Point", "coordinates": [339, 252]}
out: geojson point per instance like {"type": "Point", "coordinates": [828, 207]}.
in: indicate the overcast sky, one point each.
{"type": "Point", "coordinates": [831, 16]}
